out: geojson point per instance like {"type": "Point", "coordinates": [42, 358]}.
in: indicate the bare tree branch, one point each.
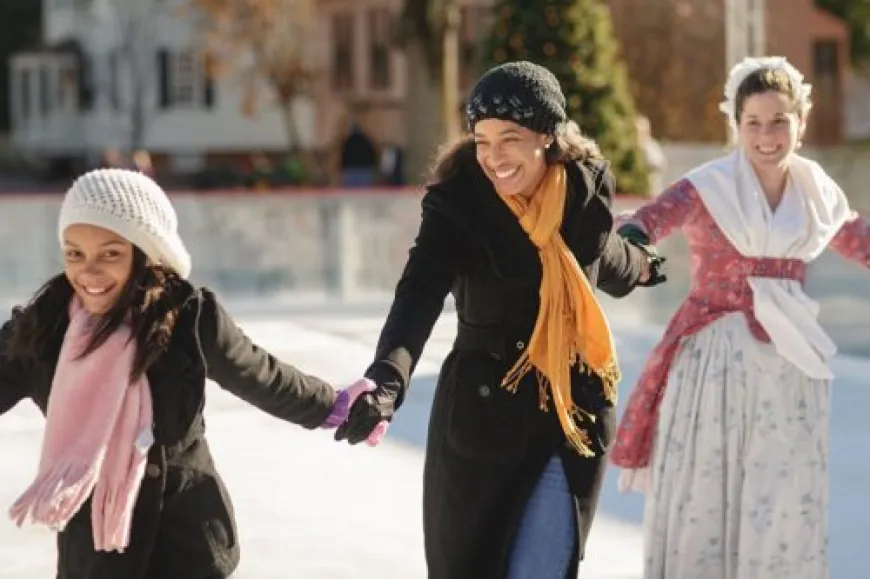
{"type": "Point", "coordinates": [135, 23]}
{"type": "Point", "coordinates": [261, 41]}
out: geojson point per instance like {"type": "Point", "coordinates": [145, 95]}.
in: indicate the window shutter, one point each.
{"type": "Point", "coordinates": [163, 78]}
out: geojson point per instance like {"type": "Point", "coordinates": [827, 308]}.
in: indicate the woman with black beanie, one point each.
{"type": "Point", "coordinates": [517, 225]}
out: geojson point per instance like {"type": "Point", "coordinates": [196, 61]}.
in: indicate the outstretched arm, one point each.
{"type": "Point", "coordinates": [852, 241]}
{"type": "Point", "coordinates": [669, 211]}
{"type": "Point", "coordinates": [241, 367]}
{"type": "Point", "coordinates": [14, 385]}
{"type": "Point", "coordinates": [622, 265]}
{"type": "Point", "coordinates": [625, 262]}
{"type": "Point", "coordinates": [429, 274]}
{"type": "Point", "coordinates": [432, 267]}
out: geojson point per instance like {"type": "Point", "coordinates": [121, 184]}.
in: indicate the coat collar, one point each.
{"type": "Point", "coordinates": [468, 199]}
{"type": "Point", "coordinates": [173, 359]}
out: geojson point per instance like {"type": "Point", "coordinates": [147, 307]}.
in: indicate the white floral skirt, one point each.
{"type": "Point", "coordinates": [739, 476]}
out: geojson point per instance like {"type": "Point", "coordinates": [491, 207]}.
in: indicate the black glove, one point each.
{"type": "Point", "coordinates": [635, 236]}
{"type": "Point", "coordinates": [369, 410]}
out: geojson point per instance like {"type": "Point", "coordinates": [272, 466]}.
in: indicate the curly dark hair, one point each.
{"type": "Point", "coordinates": [569, 145]}
{"type": "Point", "coordinates": [150, 300]}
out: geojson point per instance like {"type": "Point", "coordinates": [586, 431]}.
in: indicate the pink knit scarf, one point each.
{"type": "Point", "coordinates": [96, 440]}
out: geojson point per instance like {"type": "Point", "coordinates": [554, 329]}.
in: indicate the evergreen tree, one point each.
{"type": "Point", "coordinates": [574, 39]}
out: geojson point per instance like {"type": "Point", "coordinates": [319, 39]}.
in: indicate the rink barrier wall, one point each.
{"type": "Point", "coordinates": [349, 246]}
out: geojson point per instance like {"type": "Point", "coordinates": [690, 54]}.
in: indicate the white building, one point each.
{"type": "Point", "coordinates": [76, 98]}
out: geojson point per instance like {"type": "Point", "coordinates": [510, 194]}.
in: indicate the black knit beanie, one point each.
{"type": "Point", "coordinates": [522, 92]}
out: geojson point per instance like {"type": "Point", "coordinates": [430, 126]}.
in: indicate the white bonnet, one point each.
{"type": "Point", "coordinates": [749, 65]}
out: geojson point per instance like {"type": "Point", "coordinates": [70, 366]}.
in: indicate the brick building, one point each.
{"type": "Point", "coordinates": [74, 99]}
{"type": "Point", "coordinates": [675, 51]}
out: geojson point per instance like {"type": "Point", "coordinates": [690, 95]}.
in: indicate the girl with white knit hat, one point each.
{"type": "Point", "coordinates": [115, 351]}
{"type": "Point", "coordinates": [727, 428]}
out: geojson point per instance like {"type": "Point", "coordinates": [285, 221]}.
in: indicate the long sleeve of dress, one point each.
{"type": "Point", "coordinates": [666, 213]}
{"type": "Point", "coordinates": [852, 241]}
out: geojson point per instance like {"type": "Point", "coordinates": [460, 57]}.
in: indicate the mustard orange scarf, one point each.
{"type": "Point", "coordinates": [571, 327]}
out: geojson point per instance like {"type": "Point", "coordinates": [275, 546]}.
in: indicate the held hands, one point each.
{"type": "Point", "coordinates": [369, 416]}
{"type": "Point", "coordinates": [653, 270]}
{"type": "Point", "coordinates": [344, 404]}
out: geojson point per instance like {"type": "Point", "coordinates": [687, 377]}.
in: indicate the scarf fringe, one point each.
{"type": "Point", "coordinates": [573, 416]}
{"type": "Point", "coordinates": [119, 511]}
{"type": "Point", "coordinates": [55, 496]}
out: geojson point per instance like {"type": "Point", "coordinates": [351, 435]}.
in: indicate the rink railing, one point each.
{"type": "Point", "coordinates": [329, 241]}
{"type": "Point", "coordinates": [347, 245]}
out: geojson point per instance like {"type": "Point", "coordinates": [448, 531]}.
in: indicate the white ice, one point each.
{"type": "Point", "coordinates": [309, 508]}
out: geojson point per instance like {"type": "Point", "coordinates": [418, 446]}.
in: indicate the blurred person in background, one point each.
{"type": "Point", "coordinates": [727, 428]}
{"type": "Point", "coordinates": [517, 225]}
{"type": "Point", "coordinates": [654, 155]}
{"type": "Point", "coordinates": [111, 158]}
{"type": "Point", "coordinates": [359, 161]}
{"type": "Point", "coordinates": [143, 163]}
{"type": "Point", "coordinates": [115, 352]}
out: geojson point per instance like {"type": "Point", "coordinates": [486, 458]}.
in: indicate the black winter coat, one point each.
{"type": "Point", "coordinates": [486, 447]}
{"type": "Point", "coordinates": [183, 523]}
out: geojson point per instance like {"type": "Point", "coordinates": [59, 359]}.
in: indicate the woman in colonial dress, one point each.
{"type": "Point", "coordinates": [727, 429]}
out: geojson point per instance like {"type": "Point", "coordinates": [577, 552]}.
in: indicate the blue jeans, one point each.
{"type": "Point", "coordinates": [545, 538]}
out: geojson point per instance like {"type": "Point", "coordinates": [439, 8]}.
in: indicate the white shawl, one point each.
{"type": "Point", "coordinates": [811, 212]}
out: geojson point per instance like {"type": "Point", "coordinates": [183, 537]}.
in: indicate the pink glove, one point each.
{"type": "Point", "coordinates": [343, 403]}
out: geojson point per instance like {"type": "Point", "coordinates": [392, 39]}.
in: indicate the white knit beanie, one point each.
{"type": "Point", "coordinates": [131, 205]}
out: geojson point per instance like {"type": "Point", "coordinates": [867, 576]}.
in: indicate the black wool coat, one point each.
{"type": "Point", "coordinates": [183, 522]}
{"type": "Point", "coordinates": [486, 447]}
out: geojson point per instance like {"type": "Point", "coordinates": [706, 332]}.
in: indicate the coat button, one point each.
{"type": "Point", "coordinates": [152, 470]}
{"type": "Point", "coordinates": [484, 391]}
{"type": "Point", "coordinates": [495, 356]}
{"type": "Point", "coordinates": [521, 345]}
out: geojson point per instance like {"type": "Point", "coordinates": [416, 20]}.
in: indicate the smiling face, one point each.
{"type": "Point", "coordinates": [98, 264]}
{"type": "Point", "coordinates": [771, 116]}
{"type": "Point", "coordinates": [512, 156]}
{"type": "Point", "coordinates": [769, 128]}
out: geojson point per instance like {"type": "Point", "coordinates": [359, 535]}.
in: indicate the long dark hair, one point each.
{"type": "Point", "coordinates": [569, 145]}
{"type": "Point", "coordinates": [150, 300]}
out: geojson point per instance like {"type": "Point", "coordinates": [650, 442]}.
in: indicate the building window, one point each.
{"type": "Point", "coordinates": [825, 59]}
{"type": "Point", "coordinates": [45, 90]}
{"type": "Point", "coordinates": [115, 79]}
{"type": "Point", "coordinates": [67, 92]}
{"type": "Point", "coordinates": [86, 82]}
{"type": "Point", "coordinates": [184, 77]}
{"type": "Point", "coordinates": [26, 93]}
{"type": "Point", "coordinates": [342, 52]}
{"type": "Point", "coordinates": [184, 80]}
{"type": "Point", "coordinates": [380, 27]}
